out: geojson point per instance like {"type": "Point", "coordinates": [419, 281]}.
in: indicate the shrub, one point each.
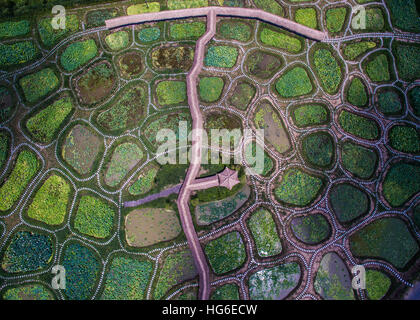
{"type": "Point", "coordinates": [221, 56]}
{"type": "Point", "coordinates": [307, 17]}
{"type": "Point", "coordinates": [211, 88]}
{"type": "Point", "coordinates": [280, 40]}
{"type": "Point", "coordinates": [356, 93]}
{"type": "Point", "coordinates": [328, 70]}
{"type": "Point", "coordinates": [50, 202]}
{"type": "Point", "coordinates": [78, 54]}
{"type": "Point", "coordinates": [17, 53]}
{"type": "Point", "coordinates": [118, 40]}
{"type": "Point", "coordinates": [82, 270]}
{"type": "Point", "coordinates": [27, 251]}
{"type": "Point", "coordinates": [45, 124]}
{"type": "Point", "coordinates": [386, 238]}
{"type": "Point", "coordinates": [354, 50]}
{"type": "Point", "coordinates": [226, 253]}
{"type": "Point", "coordinates": [37, 85]}
{"type": "Point", "coordinates": [348, 202]}
{"type": "Point", "coordinates": [94, 217]}
{"type": "Point", "coordinates": [50, 37]}
{"type": "Point", "coordinates": [234, 30]}
{"type": "Point", "coordinates": [12, 29]}
{"type": "Point", "coordinates": [189, 30]}
{"type": "Point", "coordinates": [295, 82]}
{"type": "Point", "coordinates": [25, 168]}
{"type": "Point", "coordinates": [401, 182]}
{"type": "Point", "coordinates": [358, 125]}
{"type": "Point", "coordinates": [143, 8]}
{"type": "Point", "coordinates": [264, 231]}
{"type": "Point", "coordinates": [307, 115]}
{"type": "Point", "coordinates": [359, 160]}
{"type": "Point", "coordinates": [298, 188]}
{"type": "Point", "coordinates": [171, 92]}
{"type": "Point", "coordinates": [336, 17]}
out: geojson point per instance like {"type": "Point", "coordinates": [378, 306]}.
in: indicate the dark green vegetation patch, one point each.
{"type": "Point", "coordinates": [359, 125]}
{"type": "Point", "coordinates": [404, 138]}
{"type": "Point", "coordinates": [354, 50]}
{"type": "Point", "coordinates": [311, 229]}
{"type": "Point", "coordinates": [377, 284]}
{"type": "Point", "coordinates": [187, 30]}
{"type": "Point", "coordinates": [226, 292]}
{"type": "Point", "coordinates": [377, 67]}
{"type": "Point", "coordinates": [234, 30]}
{"type": "Point", "coordinates": [404, 14]}
{"type": "Point", "coordinates": [348, 202]}
{"type": "Point", "coordinates": [408, 63]}
{"type": "Point", "coordinates": [357, 93]}
{"type": "Point", "coordinates": [336, 17]}
{"type": "Point", "coordinates": [78, 54]}
{"type": "Point", "coordinates": [388, 239]}
{"type": "Point", "coordinates": [390, 101]}
{"type": "Point", "coordinates": [39, 84]}
{"type": "Point", "coordinates": [33, 291]}
{"type": "Point", "coordinates": [17, 53]}
{"type": "Point", "coordinates": [294, 83]}
{"type": "Point", "coordinates": [358, 160]}
{"type": "Point", "coordinates": [242, 95]}
{"type": "Point", "coordinates": [307, 115]}
{"type": "Point", "coordinates": [210, 88]}
{"type": "Point", "coordinates": [318, 149]}
{"type": "Point", "coordinates": [262, 64]}
{"type": "Point", "coordinates": [221, 56]}
{"type": "Point", "coordinates": [414, 98]}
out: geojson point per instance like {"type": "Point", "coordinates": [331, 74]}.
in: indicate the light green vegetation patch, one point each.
{"type": "Point", "coordinates": [226, 253]}
{"type": "Point", "coordinates": [83, 268]}
{"type": "Point", "coordinates": [149, 34]}
{"type": "Point", "coordinates": [252, 153]}
{"type": "Point", "coordinates": [294, 83]}
{"type": "Point", "coordinates": [404, 14]}
{"type": "Point", "coordinates": [78, 54]}
{"type": "Point", "coordinates": [143, 8]}
{"type": "Point", "coordinates": [96, 84]}
{"type": "Point", "coordinates": [50, 37]}
{"type": "Point", "coordinates": [378, 68]}
{"type": "Point", "coordinates": [404, 139]}
{"type": "Point", "coordinates": [33, 291]}
{"type": "Point", "coordinates": [298, 188]}
{"type": "Point", "coordinates": [242, 95]}
{"type": "Point", "coordinates": [94, 217]}
{"type": "Point", "coordinates": [234, 30]}
{"type": "Point", "coordinates": [388, 239]}
{"type": "Point", "coordinates": [280, 40]}
{"type": "Point", "coordinates": [264, 231]}
{"type": "Point", "coordinates": [37, 85]}
{"type": "Point", "coordinates": [127, 279]}
{"type": "Point", "coordinates": [25, 168]}
{"type": "Point", "coordinates": [81, 147]}
{"type": "Point", "coordinates": [332, 280]}
{"type": "Point", "coordinates": [144, 182]}
{"type": "Point", "coordinates": [17, 53]}
{"type": "Point", "coordinates": [226, 292]}
{"type": "Point", "coordinates": [188, 30]}
{"type": "Point", "coordinates": [377, 284]}
{"type": "Point", "coordinates": [221, 56]}
{"type": "Point", "coordinates": [358, 160]}
{"type": "Point", "coordinates": [177, 268]}
{"type": "Point", "coordinates": [222, 207]}
{"type": "Point", "coordinates": [118, 40]}
{"type": "Point", "coordinates": [125, 110]}
{"type": "Point", "coordinates": [210, 88]}
{"type": "Point", "coordinates": [352, 51]}
{"type": "Point", "coordinates": [389, 101]}
{"type": "Point", "coordinates": [328, 70]}
{"type": "Point", "coordinates": [401, 182]}
{"type": "Point", "coordinates": [318, 149]}
{"type": "Point", "coordinates": [165, 121]}
{"type": "Point", "coordinates": [335, 18]}
{"type": "Point", "coordinates": [271, 6]}
{"type": "Point", "coordinates": [307, 17]}
{"type": "Point", "coordinates": [51, 201]}
{"type": "Point", "coordinates": [408, 63]}
{"type": "Point", "coordinates": [358, 125]}
{"type": "Point", "coordinates": [4, 148]}
{"type": "Point", "coordinates": [348, 202]}
{"type": "Point", "coordinates": [124, 158]}
{"type": "Point", "coordinates": [311, 229]}
{"type": "Point", "coordinates": [186, 4]}
{"type": "Point", "coordinates": [307, 115]}
{"type": "Point", "coordinates": [12, 29]}
{"type": "Point", "coordinates": [357, 93]}
{"type": "Point", "coordinates": [262, 64]}
{"type": "Point", "coordinates": [267, 118]}
{"type": "Point", "coordinates": [274, 283]}
{"type": "Point", "coordinates": [171, 92]}
{"type": "Point", "coordinates": [44, 125]}
{"type": "Point", "coordinates": [148, 226]}
{"type": "Point", "coordinates": [27, 251]}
